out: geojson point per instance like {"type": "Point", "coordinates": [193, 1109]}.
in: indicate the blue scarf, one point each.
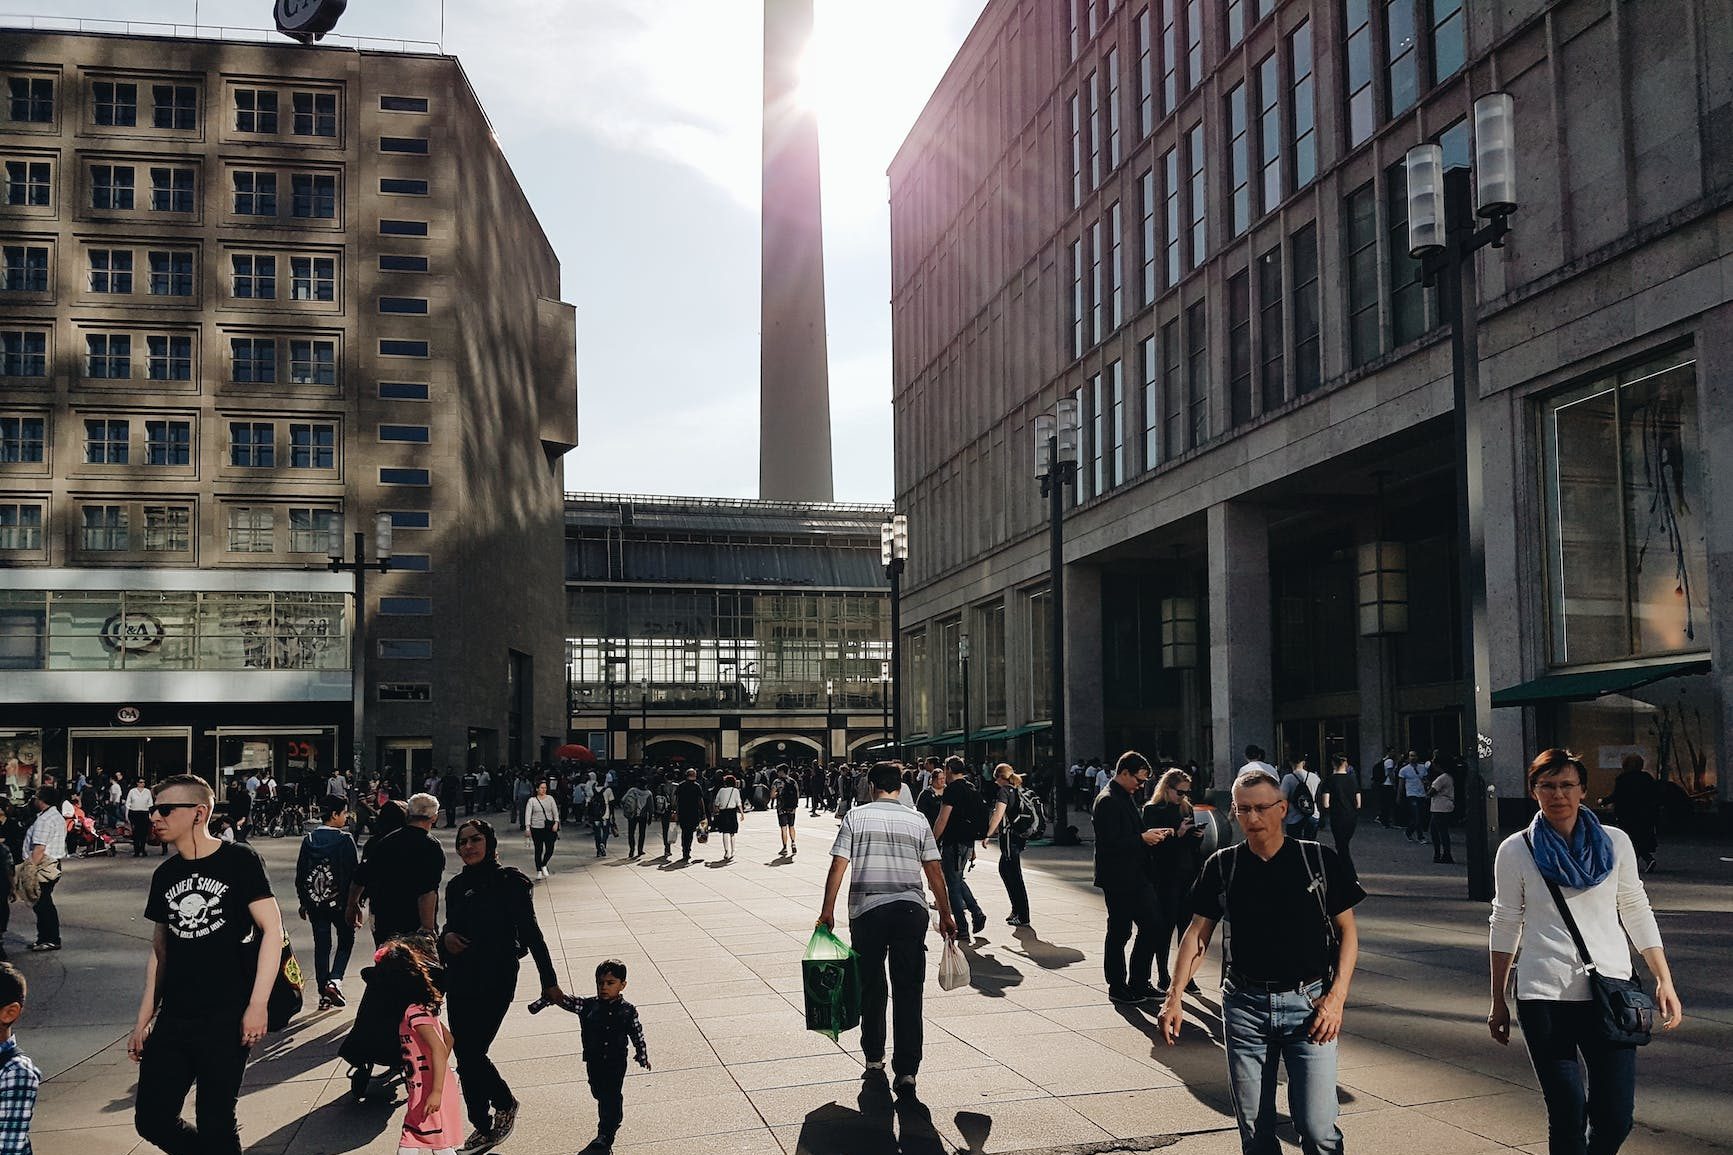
{"type": "Point", "coordinates": [1580, 863]}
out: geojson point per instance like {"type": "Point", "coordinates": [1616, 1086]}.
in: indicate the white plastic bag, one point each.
{"type": "Point", "coordinates": [953, 967]}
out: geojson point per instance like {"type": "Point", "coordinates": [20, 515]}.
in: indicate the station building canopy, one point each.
{"type": "Point", "coordinates": [1586, 685]}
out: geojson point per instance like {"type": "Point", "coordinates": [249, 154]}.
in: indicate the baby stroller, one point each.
{"type": "Point", "coordinates": [373, 1040]}
{"type": "Point", "coordinates": [83, 838]}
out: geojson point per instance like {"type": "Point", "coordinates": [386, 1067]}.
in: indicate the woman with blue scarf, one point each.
{"type": "Point", "coordinates": [1595, 868]}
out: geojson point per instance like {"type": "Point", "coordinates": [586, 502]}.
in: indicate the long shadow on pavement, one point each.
{"type": "Point", "coordinates": [340, 1125]}
{"type": "Point", "coordinates": [877, 1125]}
{"type": "Point", "coordinates": [1199, 1064]}
{"type": "Point", "coordinates": [1046, 955]}
{"type": "Point", "coordinates": [988, 975]}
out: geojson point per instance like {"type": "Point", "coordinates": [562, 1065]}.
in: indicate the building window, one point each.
{"type": "Point", "coordinates": [171, 274]}
{"type": "Point", "coordinates": [111, 187]}
{"type": "Point", "coordinates": [1449, 38]}
{"type": "Point", "coordinates": [1304, 108]}
{"type": "Point", "coordinates": [312, 446]}
{"type": "Point", "coordinates": [401, 263]}
{"type": "Point", "coordinates": [1145, 77]}
{"type": "Point", "coordinates": [414, 434]}
{"type": "Point", "coordinates": [20, 526]}
{"type": "Point", "coordinates": [401, 186]}
{"type": "Point", "coordinates": [1113, 154]}
{"type": "Point", "coordinates": [1404, 67]}
{"type": "Point", "coordinates": [1357, 80]}
{"type": "Point", "coordinates": [410, 519]}
{"type": "Point", "coordinates": [1146, 205]}
{"type": "Point", "coordinates": [252, 529]}
{"type": "Point", "coordinates": [103, 529]}
{"type": "Point", "coordinates": [1273, 387]}
{"type": "Point", "coordinates": [412, 562]}
{"type": "Point", "coordinates": [411, 145]}
{"type": "Point", "coordinates": [253, 360]}
{"type": "Point", "coordinates": [1169, 56]}
{"type": "Point", "coordinates": [114, 105]}
{"type": "Point", "coordinates": [111, 271]}
{"type": "Point", "coordinates": [313, 278]}
{"type": "Point", "coordinates": [1197, 371]}
{"type": "Point", "coordinates": [1077, 302]}
{"type": "Point", "coordinates": [312, 362]}
{"type": "Point", "coordinates": [168, 443]}
{"type": "Point", "coordinates": [313, 196]}
{"type": "Point", "coordinates": [405, 692]}
{"type": "Point", "coordinates": [253, 444]}
{"type": "Point", "coordinates": [254, 277]}
{"type": "Point", "coordinates": [403, 475]}
{"type": "Point", "coordinates": [1194, 151]}
{"type": "Point", "coordinates": [1116, 264]}
{"type": "Point", "coordinates": [395, 228]}
{"type": "Point", "coordinates": [1076, 154]}
{"type": "Point", "coordinates": [1239, 162]}
{"type": "Point", "coordinates": [1099, 448]}
{"type": "Point", "coordinates": [1308, 360]}
{"type": "Point", "coordinates": [30, 183]}
{"type": "Point", "coordinates": [23, 353]}
{"type": "Point", "coordinates": [1193, 43]}
{"type": "Point", "coordinates": [406, 649]}
{"type": "Point", "coordinates": [1361, 239]}
{"type": "Point", "coordinates": [1172, 387]}
{"type": "Point", "coordinates": [32, 99]}
{"type": "Point", "coordinates": [315, 113]}
{"type": "Point", "coordinates": [403, 391]}
{"type": "Point", "coordinates": [108, 356]}
{"type": "Point", "coordinates": [255, 193]}
{"type": "Point", "coordinates": [1151, 403]}
{"type": "Point", "coordinates": [1116, 420]}
{"type": "Point", "coordinates": [171, 190]}
{"type": "Point", "coordinates": [1096, 301]}
{"type": "Point", "coordinates": [1409, 312]}
{"type": "Point", "coordinates": [256, 111]}
{"type": "Point", "coordinates": [403, 104]}
{"type": "Point", "coordinates": [174, 106]}
{"type": "Point", "coordinates": [404, 306]}
{"type": "Point", "coordinates": [400, 348]}
{"type": "Point", "coordinates": [405, 607]}
{"type": "Point", "coordinates": [23, 440]}
{"type": "Point", "coordinates": [24, 268]}
{"type": "Point", "coordinates": [1087, 437]}
{"type": "Point", "coordinates": [311, 530]}
{"type": "Point", "coordinates": [106, 442]}
{"type": "Point", "coordinates": [1270, 132]}
{"type": "Point", "coordinates": [1239, 348]}
{"type": "Point", "coordinates": [170, 357]}
{"type": "Point", "coordinates": [167, 528]}
{"type": "Point", "coordinates": [1170, 173]}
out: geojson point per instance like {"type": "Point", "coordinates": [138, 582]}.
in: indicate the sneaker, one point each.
{"type": "Point", "coordinates": [333, 993]}
{"type": "Point", "coordinates": [1123, 995]}
{"type": "Point", "coordinates": [1015, 921]}
{"type": "Point", "coordinates": [42, 946]}
{"type": "Point", "coordinates": [324, 1003]}
{"type": "Point", "coordinates": [905, 1086]}
{"type": "Point", "coordinates": [1154, 992]}
{"type": "Point", "coordinates": [980, 922]}
{"type": "Point", "coordinates": [478, 1141]}
{"type": "Point", "coordinates": [504, 1120]}
{"type": "Point", "coordinates": [1191, 988]}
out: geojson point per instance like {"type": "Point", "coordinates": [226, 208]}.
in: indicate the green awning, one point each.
{"type": "Point", "coordinates": [1587, 685]}
{"type": "Point", "coordinates": [1019, 731]}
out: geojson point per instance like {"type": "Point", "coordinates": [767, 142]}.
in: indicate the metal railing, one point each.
{"type": "Point", "coordinates": [728, 504]}
{"type": "Point", "coordinates": [201, 31]}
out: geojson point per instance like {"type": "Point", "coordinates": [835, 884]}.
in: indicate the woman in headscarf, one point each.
{"type": "Point", "coordinates": [490, 922]}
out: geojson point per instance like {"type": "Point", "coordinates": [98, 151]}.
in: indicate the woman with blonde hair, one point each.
{"type": "Point", "coordinates": [1174, 862]}
{"type": "Point", "coordinates": [1005, 811]}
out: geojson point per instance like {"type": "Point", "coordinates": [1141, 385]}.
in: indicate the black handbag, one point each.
{"type": "Point", "coordinates": [1624, 1011]}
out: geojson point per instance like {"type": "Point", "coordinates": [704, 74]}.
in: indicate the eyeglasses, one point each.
{"type": "Point", "coordinates": [1557, 787]}
{"type": "Point", "coordinates": [1258, 811]}
{"type": "Point", "coordinates": [164, 809]}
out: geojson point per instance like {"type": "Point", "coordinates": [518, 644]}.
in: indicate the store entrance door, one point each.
{"type": "Point", "coordinates": [406, 762]}
{"type": "Point", "coordinates": [148, 754]}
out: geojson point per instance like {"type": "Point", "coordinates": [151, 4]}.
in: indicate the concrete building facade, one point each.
{"type": "Point", "coordinates": [253, 293]}
{"type": "Point", "coordinates": [1190, 218]}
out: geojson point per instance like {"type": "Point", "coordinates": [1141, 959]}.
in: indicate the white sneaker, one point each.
{"type": "Point", "coordinates": [542, 873]}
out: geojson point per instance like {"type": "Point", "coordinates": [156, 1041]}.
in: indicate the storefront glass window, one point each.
{"type": "Point", "coordinates": [918, 685]}
{"type": "Point", "coordinates": [20, 759]}
{"type": "Point", "coordinates": [1040, 656]}
{"type": "Point", "coordinates": [990, 660]}
{"type": "Point", "coordinates": [951, 654]}
{"type": "Point", "coordinates": [23, 629]}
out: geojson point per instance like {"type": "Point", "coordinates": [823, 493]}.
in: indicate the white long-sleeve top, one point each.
{"type": "Point", "coordinates": [1524, 912]}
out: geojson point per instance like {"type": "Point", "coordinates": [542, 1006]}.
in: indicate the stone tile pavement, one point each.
{"type": "Point", "coordinates": [1030, 1057]}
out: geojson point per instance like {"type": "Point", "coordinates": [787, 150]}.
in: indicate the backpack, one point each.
{"type": "Point", "coordinates": [863, 789]}
{"type": "Point", "coordinates": [968, 819]}
{"type": "Point", "coordinates": [1304, 804]}
{"type": "Point", "coordinates": [629, 805]}
{"type": "Point", "coordinates": [323, 890]}
{"type": "Point", "coordinates": [598, 807]}
{"type": "Point", "coordinates": [789, 799]}
{"type": "Point", "coordinates": [1030, 819]}
{"type": "Point", "coordinates": [659, 802]}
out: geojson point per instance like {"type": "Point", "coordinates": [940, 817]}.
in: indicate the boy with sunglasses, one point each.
{"type": "Point", "coordinates": [213, 960]}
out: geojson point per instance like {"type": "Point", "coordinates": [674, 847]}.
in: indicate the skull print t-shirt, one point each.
{"type": "Point", "coordinates": [211, 950]}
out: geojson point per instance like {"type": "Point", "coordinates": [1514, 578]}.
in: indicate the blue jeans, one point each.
{"type": "Point", "coordinates": [324, 926]}
{"type": "Point", "coordinates": [601, 832]}
{"type": "Point", "coordinates": [954, 861]}
{"type": "Point", "coordinates": [1262, 1027]}
{"type": "Point", "coordinates": [1595, 1123]}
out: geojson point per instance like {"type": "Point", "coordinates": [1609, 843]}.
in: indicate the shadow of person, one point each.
{"type": "Point", "coordinates": [340, 1125]}
{"type": "Point", "coordinates": [990, 976]}
{"type": "Point", "coordinates": [869, 1128]}
{"type": "Point", "coordinates": [1197, 1059]}
{"type": "Point", "coordinates": [974, 1127]}
{"type": "Point", "coordinates": [781, 860]}
{"type": "Point", "coordinates": [1046, 955]}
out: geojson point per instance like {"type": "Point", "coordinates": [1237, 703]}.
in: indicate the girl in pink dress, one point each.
{"type": "Point", "coordinates": [434, 1121]}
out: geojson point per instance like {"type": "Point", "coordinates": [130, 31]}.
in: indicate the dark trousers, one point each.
{"type": "Point", "coordinates": [330, 964]}
{"type": "Point", "coordinates": [1594, 1123]}
{"type": "Point", "coordinates": [477, 1006]}
{"type": "Point", "coordinates": [1011, 874]}
{"type": "Point", "coordinates": [47, 914]}
{"type": "Point", "coordinates": [1343, 833]}
{"type": "Point", "coordinates": [1171, 916]}
{"type": "Point", "coordinates": [1418, 813]}
{"type": "Point", "coordinates": [667, 839]}
{"type": "Point", "coordinates": [1132, 905]}
{"type": "Point", "coordinates": [607, 1082]}
{"type": "Point", "coordinates": [542, 838]}
{"type": "Point", "coordinates": [895, 933]}
{"type": "Point", "coordinates": [687, 830]}
{"type": "Point", "coordinates": [178, 1054]}
{"type": "Point", "coordinates": [637, 829]}
{"type": "Point", "coordinates": [139, 822]}
{"type": "Point", "coordinates": [1441, 837]}
{"type": "Point", "coordinates": [1386, 805]}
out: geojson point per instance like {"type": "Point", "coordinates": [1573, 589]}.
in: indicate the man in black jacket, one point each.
{"type": "Point", "coordinates": [1122, 873]}
{"type": "Point", "coordinates": [691, 807]}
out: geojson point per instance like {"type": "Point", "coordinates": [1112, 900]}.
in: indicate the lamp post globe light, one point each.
{"type": "Point", "coordinates": [963, 657]}
{"type": "Point", "coordinates": [357, 639]}
{"type": "Point", "coordinates": [894, 555]}
{"type": "Point", "coordinates": [1055, 467]}
{"type": "Point", "coordinates": [1444, 234]}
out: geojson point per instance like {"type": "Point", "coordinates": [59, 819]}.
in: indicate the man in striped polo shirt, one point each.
{"type": "Point", "coordinates": [893, 851]}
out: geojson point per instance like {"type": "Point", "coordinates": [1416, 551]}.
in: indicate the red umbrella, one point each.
{"type": "Point", "coordinates": [573, 752]}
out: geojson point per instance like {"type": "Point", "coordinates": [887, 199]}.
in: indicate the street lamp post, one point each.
{"type": "Point", "coordinates": [644, 721]}
{"type": "Point", "coordinates": [1442, 234]}
{"type": "Point", "coordinates": [885, 701]}
{"type": "Point", "coordinates": [1056, 460]}
{"type": "Point", "coordinates": [829, 713]}
{"type": "Point", "coordinates": [358, 642]}
{"type": "Point", "coordinates": [963, 657]}
{"type": "Point", "coordinates": [894, 555]}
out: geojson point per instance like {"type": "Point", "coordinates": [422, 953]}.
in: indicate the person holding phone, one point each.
{"type": "Point", "coordinates": [1173, 862]}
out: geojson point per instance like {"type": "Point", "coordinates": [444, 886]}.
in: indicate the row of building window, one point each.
{"type": "Point", "coordinates": [169, 442]}
{"type": "Point", "coordinates": [167, 527]}
{"type": "Point", "coordinates": [109, 271]}
{"type": "Point", "coordinates": [171, 357]}
{"type": "Point", "coordinates": [174, 107]}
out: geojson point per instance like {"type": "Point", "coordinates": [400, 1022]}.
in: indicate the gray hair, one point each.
{"type": "Point", "coordinates": [423, 806]}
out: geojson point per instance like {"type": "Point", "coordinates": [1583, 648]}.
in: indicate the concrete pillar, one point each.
{"type": "Point", "coordinates": [1376, 677]}
{"type": "Point", "coordinates": [1017, 658]}
{"type": "Point", "coordinates": [1083, 691]}
{"type": "Point", "coordinates": [1510, 578]}
{"type": "Point", "coordinates": [1715, 408]}
{"type": "Point", "coordinates": [1239, 634]}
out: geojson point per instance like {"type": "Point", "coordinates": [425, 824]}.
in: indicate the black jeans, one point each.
{"type": "Point", "coordinates": [330, 964]}
{"type": "Point", "coordinates": [1172, 917]}
{"type": "Point", "coordinates": [1579, 1124]}
{"type": "Point", "coordinates": [1441, 835]}
{"type": "Point", "coordinates": [687, 830]}
{"type": "Point", "coordinates": [1011, 874]}
{"type": "Point", "coordinates": [139, 822]}
{"type": "Point", "coordinates": [48, 915]}
{"type": "Point", "coordinates": [1418, 814]}
{"type": "Point", "coordinates": [637, 829]}
{"type": "Point", "coordinates": [895, 933]}
{"type": "Point", "coordinates": [542, 837]}
{"type": "Point", "coordinates": [1343, 833]}
{"type": "Point", "coordinates": [1133, 904]}
{"type": "Point", "coordinates": [178, 1054]}
{"type": "Point", "coordinates": [667, 840]}
{"type": "Point", "coordinates": [607, 1082]}
{"type": "Point", "coordinates": [477, 1006]}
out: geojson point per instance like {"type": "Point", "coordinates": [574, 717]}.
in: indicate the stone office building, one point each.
{"type": "Point", "coordinates": [1191, 218]}
{"type": "Point", "coordinates": [251, 293]}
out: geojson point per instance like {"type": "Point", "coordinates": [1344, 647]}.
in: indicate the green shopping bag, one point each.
{"type": "Point", "coordinates": [831, 974]}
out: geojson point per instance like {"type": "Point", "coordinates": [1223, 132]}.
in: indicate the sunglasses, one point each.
{"type": "Point", "coordinates": [164, 809]}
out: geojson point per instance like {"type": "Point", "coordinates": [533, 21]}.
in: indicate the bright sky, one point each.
{"type": "Point", "coordinates": [634, 127]}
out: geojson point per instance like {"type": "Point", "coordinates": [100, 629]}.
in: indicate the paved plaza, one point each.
{"type": "Point", "coordinates": [1030, 1057]}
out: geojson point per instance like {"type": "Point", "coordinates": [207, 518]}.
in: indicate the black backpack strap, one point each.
{"type": "Point", "coordinates": [1563, 909]}
{"type": "Point", "coordinates": [1320, 888]}
{"type": "Point", "coordinates": [1230, 857]}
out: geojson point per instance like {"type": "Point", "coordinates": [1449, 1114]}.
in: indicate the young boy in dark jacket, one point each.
{"type": "Point", "coordinates": [609, 1023]}
{"type": "Point", "coordinates": [323, 872]}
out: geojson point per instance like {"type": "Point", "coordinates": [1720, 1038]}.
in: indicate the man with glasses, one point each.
{"type": "Point", "coordinates": [1122, 871]}
{"type": "Point", "coordinates": [1287, 958]}
{"type": "Point", "coordinates": [213, 960]}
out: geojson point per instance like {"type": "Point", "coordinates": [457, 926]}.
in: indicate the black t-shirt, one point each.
{"type": "Point", "coordinates": [964, 824]}
{"type": "Point", "coordinates": [1277, 932]}
{"type": "Point", "coordinates": [689, 804]}
{"type": "Point", "coordinates": [396, 871]}
{"type": "Point", "coordinates": [212, 949]}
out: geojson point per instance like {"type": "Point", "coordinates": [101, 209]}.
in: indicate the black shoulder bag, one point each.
{"type": "Point", "coordinates": [1624, 1011]}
